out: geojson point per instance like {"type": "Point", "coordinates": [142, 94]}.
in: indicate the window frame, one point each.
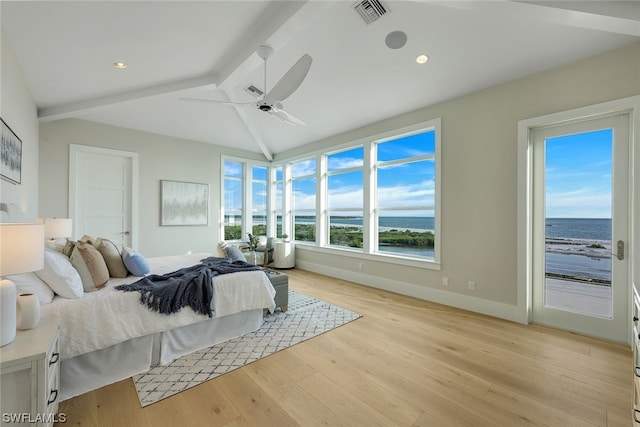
{"type": "Point", "coordinates": [327, 174]}
{"type": "Point", "coordinates": [289, 208]}
{"type": "Point", "coordinates": [247, 196]}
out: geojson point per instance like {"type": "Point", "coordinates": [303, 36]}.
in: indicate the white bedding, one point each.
{"type": "Point", "coordinates": [108, 316]}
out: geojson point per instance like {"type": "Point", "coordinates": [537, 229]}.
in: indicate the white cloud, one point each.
{"type": "Point", "coordinates": [581, 203]}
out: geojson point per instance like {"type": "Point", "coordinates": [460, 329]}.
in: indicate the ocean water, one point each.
{"type": "Point", "coordinates": [577, 264]}
{"type": "Point", "coordinates": [579, 228]}
{"type": "Point", "coordinates": [567, 228]}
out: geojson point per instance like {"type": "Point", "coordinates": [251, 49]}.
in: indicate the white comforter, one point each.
{"type": "Point", "coordinates": [108, 316]}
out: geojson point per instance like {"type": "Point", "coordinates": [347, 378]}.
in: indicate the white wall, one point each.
{"type": "Point", "coordinates": [160, 158]}
{"type": "Point", "coordinates": [19, 112]}
{"type": "Point", "coordinates": [479, 173]}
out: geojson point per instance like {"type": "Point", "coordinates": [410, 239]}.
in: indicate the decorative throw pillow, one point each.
{"type": "Point", "coordinates": [60, 275]}
{"type": "Point", "coordinates": [68, 248]}
{"type": "Point", "coordinates": [91, 267]}
{"type": "Point", "coordinates": [30, 282]}
{"type": "Point", "coordinates": [234, 253]}
{"type": "Point", "coordinates": [221, 246]}
{"type": "Point", "coordinates": [112, 257]}
{"type": "Point", "coordinates": [87, 239]}
{"type": "Point", "coordinates": [135, 263]}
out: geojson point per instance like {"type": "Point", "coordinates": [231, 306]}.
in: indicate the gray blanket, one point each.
{"type": "Point", "coordinates": [190, 286]}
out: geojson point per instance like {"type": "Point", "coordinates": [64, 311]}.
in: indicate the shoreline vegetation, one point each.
{"type": "Point", "coordinates": [349, 235]}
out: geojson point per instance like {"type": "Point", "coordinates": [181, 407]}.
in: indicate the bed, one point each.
{"type": "Point", "coordinates": [108, 335]}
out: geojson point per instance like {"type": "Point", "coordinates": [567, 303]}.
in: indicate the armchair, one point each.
{"type": "Point", "coordinates": [264, 251]}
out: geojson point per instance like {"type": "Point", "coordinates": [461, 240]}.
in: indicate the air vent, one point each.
{"type": "Point", "coordinates": [253, 91]}
{"type": "Point", "coordinates": [370, 10]}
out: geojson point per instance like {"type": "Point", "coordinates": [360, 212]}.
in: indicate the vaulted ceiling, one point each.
{"type": "Point", "coordinates": [207, 49]}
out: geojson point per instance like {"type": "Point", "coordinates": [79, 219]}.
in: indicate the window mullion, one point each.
{"type": "Point", "coordinates": [322, 217]}
{"type": "Point", "coordinates": [247, 218]}
{"type": "Point", "coordinates": [369, 224]}
{"type": "Point", "coordinates": [287, 226]}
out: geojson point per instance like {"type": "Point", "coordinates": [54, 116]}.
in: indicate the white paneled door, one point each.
{"type": "Point", "coordinates": [581, 226]}
{"type": "Point", "coordinates": [103, 193]}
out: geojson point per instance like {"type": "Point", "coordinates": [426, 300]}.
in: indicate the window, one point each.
{"type": "Point", "coordinates": [233, 199]}
{"type": "Point", "coordinates": [345, 198]}
{"type": "Point", "coordinates": [303, 200]}
{"type": "Point", "coordinates": [378, 196]}
{"type": "Point", "coordinates": [405, 195]}
{"type": "Point", "coordinates": [259, 200]}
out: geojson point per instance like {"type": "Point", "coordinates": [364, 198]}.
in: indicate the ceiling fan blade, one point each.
{"type": "Point", "coordinates": [211, 101]}
{"type": "Point", "coordinates": [292, 79]}
{"type": "Point", "coordinates": [286, 117]}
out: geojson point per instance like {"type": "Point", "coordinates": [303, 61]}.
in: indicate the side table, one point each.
{"type": "Point", "coordinates": [284, 255]}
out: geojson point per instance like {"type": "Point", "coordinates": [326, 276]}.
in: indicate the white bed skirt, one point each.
{"type": "Point", "coordinates": [90, 371]}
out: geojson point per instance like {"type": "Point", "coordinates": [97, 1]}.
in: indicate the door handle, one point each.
{"type": "Point", "coordinates": [620, 253]}
{"type": "Point", "coordinates": [126, 233]}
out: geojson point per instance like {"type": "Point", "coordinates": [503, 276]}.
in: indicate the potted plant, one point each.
{"type": "Point", "coordinates": [253, 245]}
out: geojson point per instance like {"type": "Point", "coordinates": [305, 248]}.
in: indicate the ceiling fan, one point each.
{"type": "Point", "coordinates": [271, 101]}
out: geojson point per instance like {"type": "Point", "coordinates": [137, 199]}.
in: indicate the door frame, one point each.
{"type": "Point", "coordinates": [74, 151]}
{"type": "Point", "coordinates": [631, 106]}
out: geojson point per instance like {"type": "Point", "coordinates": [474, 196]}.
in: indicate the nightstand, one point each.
{"type": "Point", "coordinates": [30, 369]}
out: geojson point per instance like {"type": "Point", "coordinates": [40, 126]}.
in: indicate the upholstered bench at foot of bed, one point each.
{"type": "Point", "coordinates": [280, 282]}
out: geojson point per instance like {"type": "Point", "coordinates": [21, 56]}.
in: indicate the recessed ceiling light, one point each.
{"type": "Point", "coordinates": [422, 58]}
{"type": "Point", "coordinates": [120, 65]}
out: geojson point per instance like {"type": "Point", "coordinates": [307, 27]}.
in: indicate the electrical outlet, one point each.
{"type": "Point", "coordinates": [445, 281]}
{"type": "Point", "coordinates": [472, 285]}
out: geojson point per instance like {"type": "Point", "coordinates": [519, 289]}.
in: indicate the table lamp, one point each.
{"type": "Point", "coordinates": [21, 251]}
{"type": "Point", "coordinates": [56, 228]}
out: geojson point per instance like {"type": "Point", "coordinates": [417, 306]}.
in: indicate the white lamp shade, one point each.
{"type": "Point", "coordinates": [21, 248]}
{"type": "Point", "coordinates": [56, 228]}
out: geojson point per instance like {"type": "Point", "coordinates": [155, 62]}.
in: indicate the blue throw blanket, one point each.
{"type": "Point", "coordinates": [190, 286]}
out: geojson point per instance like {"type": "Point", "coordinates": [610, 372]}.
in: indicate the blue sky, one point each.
{"type": "Point", "coordinates": [399, 185]}
{"type": "Point", "coordinates": [578, 175]}
{"type": "Point", "coordinates": [578, 178]}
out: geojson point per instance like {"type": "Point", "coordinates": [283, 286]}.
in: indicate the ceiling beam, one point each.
{"type": "Point", "coordinates": [77, 108]}
{"type": "Point", "coordinates": [273, 19]}
{"type": "Point", "coordinates": [548, 13]}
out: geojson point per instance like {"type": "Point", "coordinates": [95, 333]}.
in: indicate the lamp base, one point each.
{"type": "Point", "coordinates": [7, 312]}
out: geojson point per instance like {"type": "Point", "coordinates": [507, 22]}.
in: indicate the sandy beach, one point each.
{"type": "Point", "coordinates": [589, 248]}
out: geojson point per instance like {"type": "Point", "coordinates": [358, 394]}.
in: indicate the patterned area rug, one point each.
{"type": "Point", "coordinates": [306, 318]}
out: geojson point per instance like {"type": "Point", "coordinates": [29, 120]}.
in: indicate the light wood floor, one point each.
{"type": "Point", "coordinates": [406, 362]}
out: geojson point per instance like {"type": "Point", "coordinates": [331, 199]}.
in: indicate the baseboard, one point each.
{"type": "Point", "coordinates": [465, 302]}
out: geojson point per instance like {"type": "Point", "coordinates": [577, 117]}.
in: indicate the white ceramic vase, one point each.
{"type": "Point", "coordinates": [7, 312]}
{"type": "Point", "coordinates": [28, 311]}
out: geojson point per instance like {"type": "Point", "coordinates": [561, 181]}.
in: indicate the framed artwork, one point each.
{"type": "Point", "coordinates": [10, 155]}
{"type": "Point", "coordinates": [184, 203]}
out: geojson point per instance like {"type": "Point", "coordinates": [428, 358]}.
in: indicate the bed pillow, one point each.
{"type": "Point", "coordinates": [60, 275]}
{"type": "Point", "coordinates": [112, 257]}
{"type": "Point", "coordinates": [234, 253]}
{"type": "Point", "coordinates": [91, 266]}
{"type": "Point", "coordinates": [135, 263]}
{"type": "Point", "coordinates": [30, 282]}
